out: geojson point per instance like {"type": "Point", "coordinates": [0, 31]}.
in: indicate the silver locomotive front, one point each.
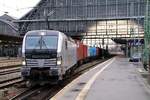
{"type": "Point", "coordinates": [40, 61]}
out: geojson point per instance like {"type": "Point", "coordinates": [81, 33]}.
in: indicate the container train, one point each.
{"type": "Point", "coordinates": [48, 56]}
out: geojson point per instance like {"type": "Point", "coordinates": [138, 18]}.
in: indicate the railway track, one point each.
{"type": "Point", "coordinates": [10, 82]}
{"type": "Point", "coordinates": [38, 93]}
{"type": "Point", "coordinates": [9, 77]}
{"type": "Point", "coordinates": [35, 93]}
{"type": "Point", "coordinates": [26, 93]}
{"type": "Point", "coordinates": [46, 92]}
{"type": "Point", "coordinates": [9, 71]}
{"type": "Point", "coordinates": [9, 63]}
{"type": "Point", "coordinates": [8, 67]}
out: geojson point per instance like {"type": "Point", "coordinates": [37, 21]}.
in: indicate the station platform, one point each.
{"type": "Point", "coordinates": [114, 79]}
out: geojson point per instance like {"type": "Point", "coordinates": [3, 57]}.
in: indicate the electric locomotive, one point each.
{"type": "Point", "coordinates": [47, 56]}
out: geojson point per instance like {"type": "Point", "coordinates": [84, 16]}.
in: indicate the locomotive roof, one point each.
{"type": "Point", "coordinates": [46, 32]}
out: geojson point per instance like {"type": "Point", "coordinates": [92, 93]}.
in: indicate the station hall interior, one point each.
{"type": "Point", "coordinates": [108, 24]}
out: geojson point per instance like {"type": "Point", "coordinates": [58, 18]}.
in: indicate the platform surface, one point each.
{"type": "Point", "coordinates": [115, 79]}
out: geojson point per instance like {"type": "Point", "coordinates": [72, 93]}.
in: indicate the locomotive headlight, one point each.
{"type": "Point", "coordinates": [23, 63]}
{"type": "Point", "coordinates": [59, 61]}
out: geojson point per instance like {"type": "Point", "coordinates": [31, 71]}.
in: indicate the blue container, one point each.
{"type": "Point", "coordinates": [92, 51]}
{"type": "Point", "coordinates": [88, 51]}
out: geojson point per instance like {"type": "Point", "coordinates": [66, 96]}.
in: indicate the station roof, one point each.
{"type": "Point", "coordinates": [13, 36]}
{"type": "Point", "coordinates": [9, 20]}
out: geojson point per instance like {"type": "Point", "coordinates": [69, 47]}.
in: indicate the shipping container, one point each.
{"type": "Point", "coordinates": [92, 51]}
{"type": "Point", "coordinates": [80, 50]}
{"type": "Point", "coordinates": [88, 51]}
{"type": "Point", "coordinates": [100, 52]}
{"type": "Point", "coordinates": [85, 51]}
{"type": "Point", "coordinates": [97, 51]}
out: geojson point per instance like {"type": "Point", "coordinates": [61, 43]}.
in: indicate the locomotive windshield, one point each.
{"type": "Point", "coordinates": [49, 42]}
{"type": "Point", "coordinates": [41, 42]}
{"type": "Point", "coordinates": [33, 42]}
